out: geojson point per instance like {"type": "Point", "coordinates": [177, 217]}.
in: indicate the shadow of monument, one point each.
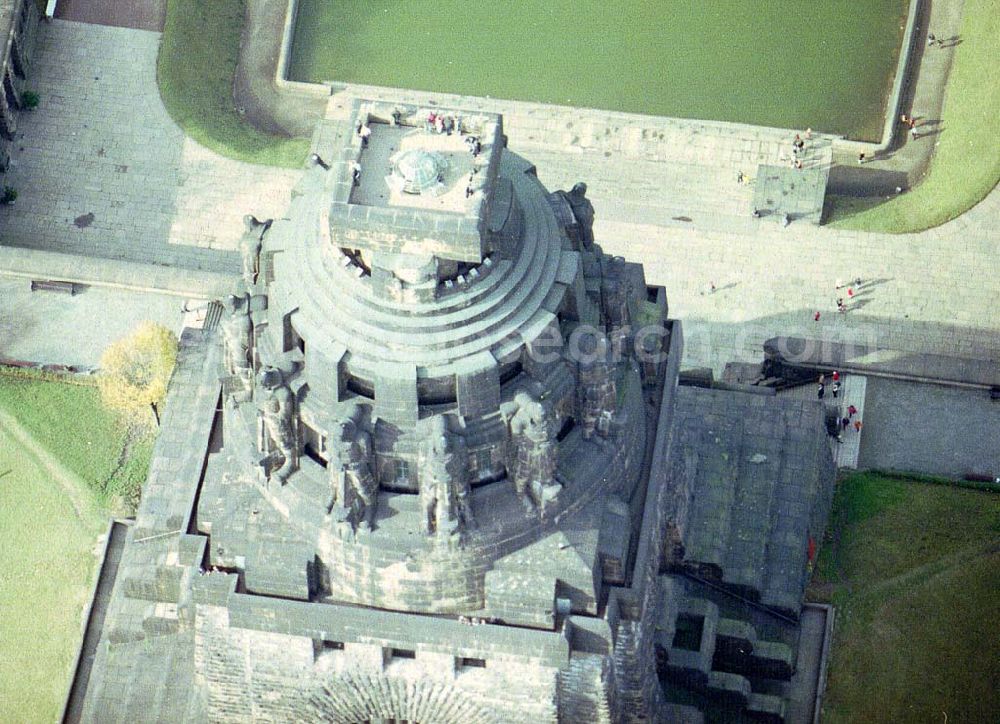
{"type": "Point", "coordinates": [861, 180]}
{"type": "Point", "coordinates": [914, 426]}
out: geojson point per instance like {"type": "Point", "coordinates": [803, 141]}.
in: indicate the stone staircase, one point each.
{"type": "Point", "coordinates": [845, 452]}
{"type": "Point", "coordinates": [719, 657]}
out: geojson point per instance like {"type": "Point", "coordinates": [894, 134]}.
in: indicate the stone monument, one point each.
{"type": "Point", "coordinates": [463, 484]}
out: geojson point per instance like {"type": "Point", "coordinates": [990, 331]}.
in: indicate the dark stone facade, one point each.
{"type": "Point", "coordinates": [18, 28]}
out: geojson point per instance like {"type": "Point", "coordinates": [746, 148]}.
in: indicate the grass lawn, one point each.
{"type": "Point", "coordinates": [914, 571]}
{"type": "Point", "coordinates": [195, 71]}
{"type": "Point", "coordinates": [966, 163]}
{"type": "Point", "coordinates": [47, 564]}
{"type": "Point", "coordinates": [70, 421]}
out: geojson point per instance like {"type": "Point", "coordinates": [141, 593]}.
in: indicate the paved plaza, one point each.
{"type": "Point", "coordinates": [52, 328]}
{"type": "Point", "coordinates": [101, 169]}
{"type": "Point", "coordinates": [665, 190]}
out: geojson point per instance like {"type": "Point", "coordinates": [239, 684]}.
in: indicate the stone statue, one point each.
{"type": "Point", "coordinates": [615, 301]}
{"type": "Point", "coordinates": [237, 333]}
{"type": "Point", "coordinates": [279, 420]}
{"type": "Point", "coordinates": [534, 452]}
{"type": "Point", "coordinates": [353, 486]}
{"type": "Point", "coordinates": [650, 350]}
{"type": "Point", "coordinates": [598, 393]}
{"type": "Point", "coordinates": [250, 245]}
{"type": "Point", "coordinates": [583, 210]}
{"type": "Point", "coordinates": [444, 479]}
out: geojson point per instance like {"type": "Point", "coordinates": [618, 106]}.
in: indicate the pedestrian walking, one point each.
{"type": "Point", "coordinates": [836, 376]}
{"type": "Point", "coordinates": [835, 388]}
{"type": "Point", "coordinates": [851, 410]}
{"type": "Point", "coordinates": [904, 119]}
{"type": "Point", "coordinates": [820, 390]}
{"type": "Point", "coordinates": [850, 292]}
{"type": "Point", "coordinates": [365, 132]}
{"type": "Point", "coordinates": [356, 173]}
{"type": "Point", "coordinates": [861, 159]}
{"type": "Point", "coordinates": [858, 425]}
{"type": "Point", "coordinates": [839, 284]}
{"type": "Point", "coordinates": [840, 305]}
{"type": "Point", "coordinates": [816, 317]}
{"type": "Point", "coordinates": [931, 39]}
{"type": "Point", "coordinates": [913, 127]}
{"type": "Point", "coordinates": [845, 422]}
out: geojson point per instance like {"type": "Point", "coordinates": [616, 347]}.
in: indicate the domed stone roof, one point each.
{"type": "Point", "coordinates": [418, 170]}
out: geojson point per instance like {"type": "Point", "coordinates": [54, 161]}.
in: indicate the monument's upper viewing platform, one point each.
{"type": "Point", "coordinates": [416, 183]}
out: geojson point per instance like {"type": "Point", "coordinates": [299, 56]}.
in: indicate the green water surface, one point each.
{"type": "Point", "coordinates": [824, 64]}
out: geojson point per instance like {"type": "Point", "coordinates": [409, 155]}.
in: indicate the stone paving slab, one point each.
{"type": "Point", "coordinates": [52, 328]}
{"type": "Point", "coordinates": [930, 428]}
{"type": "Point", "coordinates": [144, 15]}
{"type": "Point", "coordinates": [103, 171]}
{"type": "Point", "coordinates": [929, 293]}
{"type": "Point", "coordinates": [660, 170]}
{"type": "Point", "coordinates": [845, 454]}
{"type": "Point", "coordinates": [36, 264]}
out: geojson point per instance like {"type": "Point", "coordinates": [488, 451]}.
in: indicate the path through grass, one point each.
{"type": "Point", "coordinates": [195, 71]}
{"type": "Point", "coordinates": [914, 571]}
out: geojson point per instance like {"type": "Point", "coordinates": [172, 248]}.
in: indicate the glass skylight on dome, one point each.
{"type": "Point", "coordinates": [418, 171]}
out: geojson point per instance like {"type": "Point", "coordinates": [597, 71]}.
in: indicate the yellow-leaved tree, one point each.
{"type": "Point", "coordinates": [135, 372]}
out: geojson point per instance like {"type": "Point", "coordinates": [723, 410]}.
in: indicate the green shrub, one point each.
{"type": "Point", "coordinates": [30, 100]}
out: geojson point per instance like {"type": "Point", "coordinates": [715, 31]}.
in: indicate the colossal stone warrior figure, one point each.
{"type": "Point", "coordinates": [279, 421]}
{"type": "Point", "coordinates": [614, 296]}
{"type": "Point", "coordinates": [583, 210]}
{"type": "Point", "coordinates": [353, 485]}
{"type": "Point", "coordinates": [237, 333]}
{"type": "Point", "coordinates": [444, 479]}
{"type": "Point", "coordinates": [250, 245]}
{"type": "Point", "coordinates": [598, 392]}
{"type": "Point", "coordinates": [649, 349]}
{"type": "Point", "coordinates": [534, 453]}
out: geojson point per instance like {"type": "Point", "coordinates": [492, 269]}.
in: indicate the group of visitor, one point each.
{"type": "Point", "coordinates": [799, 146]}
{"type": "Point", "coordinates": [440, 123]}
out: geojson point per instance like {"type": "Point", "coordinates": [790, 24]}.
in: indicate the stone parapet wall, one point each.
{"type": "Point", "coordinates": [639, 694]}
